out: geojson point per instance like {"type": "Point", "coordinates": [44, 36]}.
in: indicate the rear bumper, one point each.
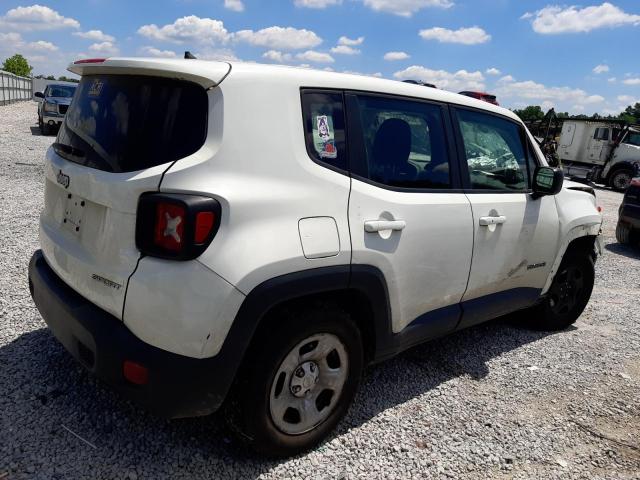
{"type": "Point", "coordinates": [177, 386]}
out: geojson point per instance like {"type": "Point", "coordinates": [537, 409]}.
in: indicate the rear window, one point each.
{"type": "Point", "coordinates": [123, 123]}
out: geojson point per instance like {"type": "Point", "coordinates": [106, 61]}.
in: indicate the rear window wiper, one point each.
{"type": "Point", "coordinates": [68, 149]}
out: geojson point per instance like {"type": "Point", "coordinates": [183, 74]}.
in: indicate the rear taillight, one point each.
{"type": "Point", "coordinates": [635, 182]}
{"type": "Point", "coordinates": [176, 226]}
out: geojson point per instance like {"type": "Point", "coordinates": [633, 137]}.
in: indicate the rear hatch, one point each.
{"type": "Point", "coordinates": [129, 121]}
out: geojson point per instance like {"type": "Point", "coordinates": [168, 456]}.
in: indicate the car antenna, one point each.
{"type": "Point", "coordinates": [189, 56]}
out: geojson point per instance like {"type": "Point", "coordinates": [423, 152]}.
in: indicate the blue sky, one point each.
{"type": "Point", "coordinates": [576, 57]}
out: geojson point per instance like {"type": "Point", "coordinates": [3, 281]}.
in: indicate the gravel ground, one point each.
{"type": "Point", "coordinates": [494, 401]}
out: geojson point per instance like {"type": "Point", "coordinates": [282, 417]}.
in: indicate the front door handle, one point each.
{"type": "Point", "coordinates": [372, 226]}
{"type": "Point", "coordinates": [486, 221]}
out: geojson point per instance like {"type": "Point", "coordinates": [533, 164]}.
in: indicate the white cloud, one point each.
{"type": "Point", "coordinates": [315, 57]}
{"type": "Point", "coordinates": [350, 42]}
{"type": "Point", "coordinates": [190, 29]}
{"type": "Point", "coordinates": [345, 50]}
{"type": "Point", "coordinates": [11, 38]}
{"type": "Point", "coordinates": [393, 56]}
{"type": "Point", "coordinates": [492, 71]}
{"type": "Point", "coordinates": [598, 69]}
{"type": "Point", "coordinates": [529, 91]}
{"type": "Point", "coordinates": [42, 46]}
{"type": "Point", "coordinates": [628, 100]}
{"type": "Point", "coordinates": [104, 48]}
{"type": "Point", "coordinates": [573, 19]}
{"type": "Point", "coordinates": [234, 5]}
{"type": "Point", "coordinates": [465, 36]}
{"type": "Point", "coordinates": [156, 52]}
{"type": "Point", "coordinates": [277, 56]}
{"type": "Point", "coordinates": [351, 72]}
{"type": "Point", "coordinates": [460, 80]}
{"type": "Point", "coordinates": [217, 54]}
{"type": "Point", "coordinates": [282, 38]}
{"type": "Point", "coordinates": [36, 17]}
{"type": "Point", "coordinates": [95, 35]}
{"type": "Point", "coordinates": [506, 79]}
{"type": "Point", "coordinates": [632, 81]}
{"type": "Point", "coordinates": [405, 8]}
{"type": "Point", "coordinates": [316, 3]}
{"type": "Point", "coordinates": [612, 80]}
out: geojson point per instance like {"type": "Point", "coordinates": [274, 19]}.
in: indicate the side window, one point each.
{"type": "Point", "coordinates": [399, 143]}
{"type": "Point", "coordinates": [601, 134]}
{"type": "Point", "coordinates": [324, 127]}
{"type": "Point", "coordinates": [633, 138]}
{"type": "Point", "coordinates": [494, 152]}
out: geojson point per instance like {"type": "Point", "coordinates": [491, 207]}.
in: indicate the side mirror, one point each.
{"type": "Point", "coordinates": [547, 181]}
{"type": "Point", "coordinates": [38, 96]}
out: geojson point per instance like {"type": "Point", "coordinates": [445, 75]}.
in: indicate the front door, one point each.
{"type": "Point", "coordinates": [515, 234]}
{"type": "Point", "coordinates": [405, 219]}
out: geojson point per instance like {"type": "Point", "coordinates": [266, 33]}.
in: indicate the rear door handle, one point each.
{"type": "Point", "coordinates": [486, 221]}
{"type": "Point", "coordinates": [382, 225]}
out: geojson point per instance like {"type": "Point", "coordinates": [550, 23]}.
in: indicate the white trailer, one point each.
{"type": "Point", "coordinates": [601, 151]}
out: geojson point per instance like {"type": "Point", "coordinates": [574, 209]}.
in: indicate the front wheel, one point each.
{"type": "Point", "coordinates": [568, 295]}
{"type": "Point", "coordinates": [298, 382]}
{"type": "Point", "coordinates": [621, 179]}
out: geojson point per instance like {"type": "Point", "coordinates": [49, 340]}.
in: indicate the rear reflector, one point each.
{"type": "Point", "coordinates": [635, 182]}
{"type": "Point", "coordinates": [89, 60]}
{"type": "Point", "coordinates": [204, 225]}
{"type": "Point", "coordinates": [135, 373]}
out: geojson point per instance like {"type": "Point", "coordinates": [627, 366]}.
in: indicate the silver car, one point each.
{"type": "Point", "coordinates": [53, 105]}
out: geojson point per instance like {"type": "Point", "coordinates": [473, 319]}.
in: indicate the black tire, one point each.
{"type": "Point", "coordinates": [45, 129]}
{"type": "Point", "coordinates": [568, 295]}
{"type": "Point", "coordinates": [623, 233]}
{"type": "Point", "coordinates": [620, 179]}
{"type": "Point", "coordinates": [248, 411]}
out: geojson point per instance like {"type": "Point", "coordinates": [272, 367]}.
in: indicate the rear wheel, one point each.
{"type": "Point", "coordinates": [298, 381]}
{"type": "Point", "coordinates": [568, 295]}
{"type": "Point", "coordinates": [621, 179]}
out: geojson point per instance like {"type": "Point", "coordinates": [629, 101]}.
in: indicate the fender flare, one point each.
{"type": "Point", "coordinates": [591, 229]}
{"type": "Point", "coordinates": [366, 280]}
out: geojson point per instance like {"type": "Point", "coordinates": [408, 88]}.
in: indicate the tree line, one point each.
{"type": "Point", "coordinates": [631, 114]}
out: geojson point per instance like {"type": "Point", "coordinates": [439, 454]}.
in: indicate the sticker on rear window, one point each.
{"type": "Point", "coordinates": [96, 88]}
{"type": "Point", "coordinates": [324, 140]}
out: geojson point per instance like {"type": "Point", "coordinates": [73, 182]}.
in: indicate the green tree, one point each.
{"type": "Point", "coordinates": [62, 78]}
{"type": "Point", "coordinates": [17, 65]}
{"type": "Point", "coordinates": [631, 114]}
{"type": "Point", "coordinates": [530, 113]}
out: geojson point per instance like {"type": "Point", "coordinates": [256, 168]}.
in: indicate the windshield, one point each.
{"type": "Point", "coordinates": [60, 91]}
{"type": "Point", "coordinates": [124, 123]}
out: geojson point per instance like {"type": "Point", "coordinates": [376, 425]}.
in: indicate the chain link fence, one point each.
{"type": "Point", "coordinates": [14, 88]}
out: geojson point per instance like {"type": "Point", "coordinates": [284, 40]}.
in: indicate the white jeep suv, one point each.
{"type": "Point", "coordinates": [251, 237]}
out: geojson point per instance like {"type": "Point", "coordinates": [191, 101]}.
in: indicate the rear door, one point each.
{"type": "Point", "coordinates": [119, 136]}
{"type": "Point", "coordinates": [515, 234]}
{"type": "Point", "coordinates": [406, 216]}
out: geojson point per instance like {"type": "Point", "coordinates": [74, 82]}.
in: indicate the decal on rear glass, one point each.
{"type": "Point", "coordinates": [324, 140]}
{"type": "Point", "coordinates": [96, 88]}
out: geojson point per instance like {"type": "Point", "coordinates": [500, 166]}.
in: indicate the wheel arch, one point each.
{"type": "Point", "coordinates": [581, 239]}
{"type": "Point", "coordinates": [359, 290]}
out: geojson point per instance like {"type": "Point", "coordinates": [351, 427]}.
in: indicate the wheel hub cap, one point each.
{"type": "Point", "coordinates": [308, 383]}
{"type": "Point", "coordinates": [304, 379]}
